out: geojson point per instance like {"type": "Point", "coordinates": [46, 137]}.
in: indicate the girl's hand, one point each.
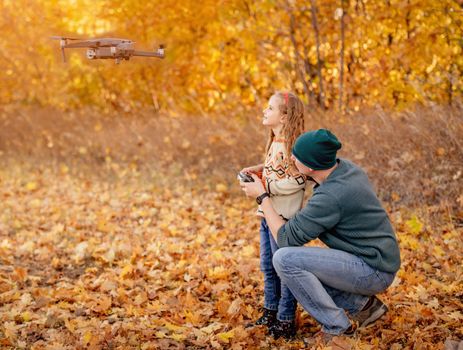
{"type": "Point", "coordinates": [253, 189]}
{"type": "Point", "coordinates": [253, 169]}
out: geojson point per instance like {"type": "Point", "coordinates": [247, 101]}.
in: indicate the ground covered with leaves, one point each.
{"type": "Point", "coordinates": [130, 263]}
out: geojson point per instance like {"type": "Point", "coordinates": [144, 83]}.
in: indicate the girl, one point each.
{"type": "Point", "coordinates": [284, 116]}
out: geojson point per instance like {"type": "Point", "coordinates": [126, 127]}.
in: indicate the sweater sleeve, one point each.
{"type": "Point", "coordinates": [286, 186]}
{"type": "Point", "coordinates": [321, 214]}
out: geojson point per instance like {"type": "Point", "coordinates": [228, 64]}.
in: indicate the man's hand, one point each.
{"type": "Point", "coordinates": [253, 189]}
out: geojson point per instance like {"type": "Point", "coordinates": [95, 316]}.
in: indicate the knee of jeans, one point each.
{"type": "Point", "coordinates": [280, 259]}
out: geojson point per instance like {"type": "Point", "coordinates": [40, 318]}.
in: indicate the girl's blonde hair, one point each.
{"type": "Point", "coordinates": [293, 108]}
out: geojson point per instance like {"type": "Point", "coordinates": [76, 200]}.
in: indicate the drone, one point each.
{"type": "Point", "coordinates": [106, 48]}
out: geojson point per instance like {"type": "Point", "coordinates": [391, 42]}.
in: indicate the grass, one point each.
{"type": "Point", "coordinates": [413, 157]}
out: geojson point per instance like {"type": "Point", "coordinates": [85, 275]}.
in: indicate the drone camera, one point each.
{"type": "Point", "coordinates": [91, 54]}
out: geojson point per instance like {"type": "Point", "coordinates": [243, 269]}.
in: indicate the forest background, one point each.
{"type": "Point", "coordinates": [121, 221]}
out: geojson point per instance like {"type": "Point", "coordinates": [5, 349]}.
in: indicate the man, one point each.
{"type": "Point", "coordinates": [344, 212]}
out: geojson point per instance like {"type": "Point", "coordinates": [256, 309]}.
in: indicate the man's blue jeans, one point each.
{"type": "Point", "coordinates": [328, 281]}
{"type": "Point", "coordinates": [276, 295]}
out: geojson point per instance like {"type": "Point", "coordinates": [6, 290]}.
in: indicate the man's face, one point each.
{"type": "Point", "coordinates": [303, 169]}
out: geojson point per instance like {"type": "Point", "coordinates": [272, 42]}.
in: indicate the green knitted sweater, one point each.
{"type": "Point", "coordinates": [345, 213]}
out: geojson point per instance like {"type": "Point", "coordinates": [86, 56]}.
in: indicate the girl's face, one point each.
{"type": "Point", "coordinates": [273, 118]}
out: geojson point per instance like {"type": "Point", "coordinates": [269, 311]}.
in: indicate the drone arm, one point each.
{"type": "Point", "coordinates": [81, 44]}
{"type": "Point", "coordinates": [148, 54]}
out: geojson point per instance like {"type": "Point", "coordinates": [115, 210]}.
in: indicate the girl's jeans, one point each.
{"type": "Point", "coordinates": [276, 295]}
{"type": "Point", "coordinates": [328, 281]}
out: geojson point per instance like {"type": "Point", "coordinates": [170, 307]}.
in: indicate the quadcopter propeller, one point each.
{"type": "Point", "coordinates": [63, 41]}
{"type": "Point", "coordinates": [63, 54]}
{"type": "Point", "coordinates": [63, 38]}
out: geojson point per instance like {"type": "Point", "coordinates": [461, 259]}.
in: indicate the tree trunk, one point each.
{"type": "Point", "coordinates": [313, 9]}
{"type": "Point", "coordinates": [341, 54]}
{"type": "Point", "coordinates": [299, 73]}
{"type": "Point", "coordinates": [309, 72]}
{"type": "Point", "coordinates": [450, 72]}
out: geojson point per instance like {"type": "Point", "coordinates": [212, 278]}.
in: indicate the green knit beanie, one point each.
{"type": "Point", "coordinates": [317, 149]}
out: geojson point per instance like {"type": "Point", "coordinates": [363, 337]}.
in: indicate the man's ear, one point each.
{"type": "Point", "coordinates": [309, 170]}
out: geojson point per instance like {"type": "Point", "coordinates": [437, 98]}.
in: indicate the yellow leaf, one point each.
{"type": "Point", "coordinates": [173, 327]}
{"type": "Point", "coordinates": [36, 203]}
{"type": "Point", "coordinates": [211, 328]}
{"type": "Point", "coordinates": [104, 226]}
{"type": "Point", "coordinates": [140, 298]}
{"type": "Point", "coordinates": [64, 169]}
{"type": "Point", "coordinates": [225, 337]}
{"type": "Point", "coordinates": [409, 242]}
{"type": "Point", "coordinates": [87, 337]}
{"type": "Point", "coordinates": [26, 316]}
{"type": "Point", "coordinates": [32, 186]}
{"type": "Point", "coordinates": [27, 247]}
{"type": "Point", "coordinates": [70, 325]}
{"type": "Point", "coordinates": [414, 225]}
{"type": "Point", "coordinates": [222, 188]}
{"type": "Point", "coordinates": [126, 271]}
{"type": "Point", "coordinates": [248, 251]}
{"type": "Point", "coordinates": [193, 317]}
{"type": "Point", "coordinates": [218, 272]}
{"type": "Point", "coordinates": [217, 255]}
{"type": "Point", "coordinates": [437, 250]}
{"type": "Point", "coordinates": [178, 337]}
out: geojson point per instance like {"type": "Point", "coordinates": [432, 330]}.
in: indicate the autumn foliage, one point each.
{"type": "Point", "coordinates": [132, 232]}
{"type": "Point", "coordinates": [128, 264]}
{"type": "Point", "coordinates": [344, 53]}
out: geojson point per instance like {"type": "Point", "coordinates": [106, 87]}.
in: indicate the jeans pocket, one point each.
{"type": "Point", "coordinates": [371, 284]}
